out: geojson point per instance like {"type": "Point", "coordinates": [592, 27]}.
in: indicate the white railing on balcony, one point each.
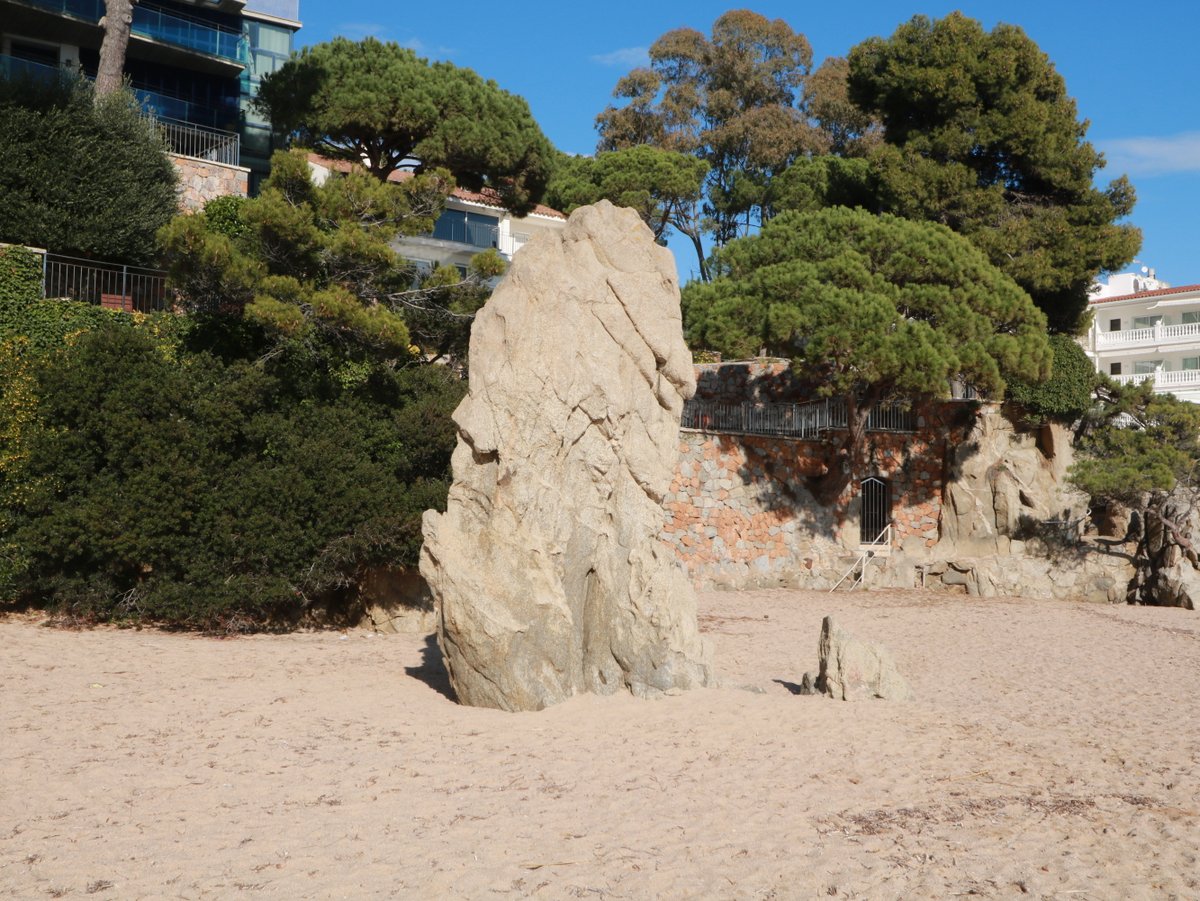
{"type": "Point", "coordinates": [1158, 334]}
{"type": "Point", "coordinates": [1164, 380]}
{"type": "Point", "coordinates": [200, 142]}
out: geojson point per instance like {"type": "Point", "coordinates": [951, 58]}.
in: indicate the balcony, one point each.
{"type": "Point", "coordinates": [160, 25]}
{"type": "Point", "coordinates": [1164, 380]}
{"type": "Point", "coordinates": [1156, 336]}
{"type": "Point", "coordinates": [479, 234]}
{"type": "Point", "coordinates": [173, 117]}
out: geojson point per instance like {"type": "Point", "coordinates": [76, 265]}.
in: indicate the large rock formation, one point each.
{"type": "Point", "coordinates": [546, 567]}
{"type": "Point", "coordinates": [1005, 486]}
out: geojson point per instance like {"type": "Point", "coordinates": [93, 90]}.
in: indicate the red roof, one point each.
{"type": "Point", "coordinates": [1159, 292]}
{"type": "Point", "coordinates": [486, 197]}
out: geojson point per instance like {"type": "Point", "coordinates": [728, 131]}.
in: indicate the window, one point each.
{"type": "Point", "coordinates": [1114, 325]}
{"type": "Point", "coordinates": [1146, 321]}
{"type": "Point", "coordinates": [466, 228]}
{"type": "Point", "coordinates": [1143, 367]}
{"type": "Point", "coordinates": [1114, 368]}
{"type": "Point", "coordinates": [1191, 363]}
{"type": "Point", "coordinates": [1190, 317]}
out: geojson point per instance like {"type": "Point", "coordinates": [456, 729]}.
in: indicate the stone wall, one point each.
{"type": "Point", "coordinates": [739, 512]}
{"type": "Point", "coordinates": [202, 180]}
{"type": "Point", "coordinates": [972, 499]}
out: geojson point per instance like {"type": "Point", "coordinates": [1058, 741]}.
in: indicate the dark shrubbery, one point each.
{"type": "Point", "coordinates": [1067, 394]}
{"type": "Point", "coordinates": [154, 482]}
{"type": "Point", "coordinates": [81, 177]}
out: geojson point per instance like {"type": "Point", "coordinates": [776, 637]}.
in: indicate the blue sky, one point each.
{"type": "Point", "coordinates": [1130, 66]}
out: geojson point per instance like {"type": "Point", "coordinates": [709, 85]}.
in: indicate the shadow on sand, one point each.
{"type": "Point", "coordinates": [432, 670]}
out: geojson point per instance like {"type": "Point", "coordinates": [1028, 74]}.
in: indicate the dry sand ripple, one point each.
{"type": "Point", "coordinates": [1052, 752]}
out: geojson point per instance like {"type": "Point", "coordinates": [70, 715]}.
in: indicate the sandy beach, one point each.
{"type": "Point", "coordinates": [1053, 751]}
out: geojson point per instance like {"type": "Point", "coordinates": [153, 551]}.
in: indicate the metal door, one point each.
{"type": "Point", "coordinates": [875, 496]}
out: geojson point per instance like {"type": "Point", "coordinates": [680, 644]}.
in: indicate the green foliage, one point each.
{"type": "Point", "coordinates": [868, 308]}
{"type": "Point", "coordinates": [302, 259]}
{"type": "Point", "coordinates": [381, 103]}
{"type": "Point", "coordinates": [78, 175]}
{"type": "Point", "coordinates": [662, 185]}
{"type": "Point", "coordinates": [1144, 442]}
{"type": "Point", "coordinates": [224, 215]}
{"type": "Point", "coordinates": [20, 275]}
{"type": "Point", "coordinates": [215, 493]}
{"type": "Point", "coordinates": [873, 305]}
{"type": "Point", "coordinates": [982, 136]}
{"type": "Point", "coordinates": [1067, 394]}
{"type": "Point", "coordinates": [819, 182]}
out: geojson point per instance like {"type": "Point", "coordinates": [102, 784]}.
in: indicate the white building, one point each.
{"type": "Point", "coordinates": [471, 221]}
{"type": "Point", "coordinates": [1143, 328]}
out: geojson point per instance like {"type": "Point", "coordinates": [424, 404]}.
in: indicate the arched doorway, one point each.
{"type": "Point", "coordinates": [875, 510]}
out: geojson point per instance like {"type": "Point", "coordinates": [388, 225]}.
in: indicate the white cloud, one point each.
{"type": "Point", "coordinates": [628, 57]}
{"type": "Point", "coordinates": [1153, 155]}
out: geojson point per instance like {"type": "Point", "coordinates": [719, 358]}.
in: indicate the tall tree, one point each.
{"type": "Point", "coordinates": [869, 308]}
{"type": "Point", "coordinates": [983, 137]}
{"type": "Point", "coordinates": [664, 187]}
{"type": "Point", "coordinates": [735, 99]}
{"type": "Point", "coordinates": [117, 21]}
{"type": "Point", "coordinates": [381, 104]}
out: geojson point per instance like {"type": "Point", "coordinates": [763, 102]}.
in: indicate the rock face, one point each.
{"type": "Point", "coordinates": [1168, 576]}
{"type": "Point", "coordinates": [854, 670]}
{"type": "Point", "coordinates": [1006, 486]}
{"type": "Point", "coordinates": [547, 572]}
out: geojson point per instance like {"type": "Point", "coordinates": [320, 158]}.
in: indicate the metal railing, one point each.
{"type": "Point", "coordinates": [112, 285]}
{"type": "Point", "coordinates": [200, 142]}
{"type": "Point", "coordinates": [806, 420]}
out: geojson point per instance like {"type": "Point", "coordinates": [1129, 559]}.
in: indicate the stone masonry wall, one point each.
{"type": "Point", "coordinates": [739, 512]}
{"type": "Point", "coordinates": [202, 180]}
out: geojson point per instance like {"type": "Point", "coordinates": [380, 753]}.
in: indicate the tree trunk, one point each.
{"type": "Point", "coordinates": [118, 19]}
{"type": "Point", "coordinates": [1165, 559]}
{"type": "Point", "coordinates": [843, 457]}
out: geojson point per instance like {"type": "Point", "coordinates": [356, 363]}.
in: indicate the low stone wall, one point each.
{"type": "Point", "coordinates": [739, 512]}
{"type": "Point", "coordinates": [202, 180]}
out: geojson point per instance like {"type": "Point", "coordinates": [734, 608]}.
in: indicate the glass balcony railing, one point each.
{"type": "Point", "coordinates": [160, 25]}
{"type": "Point", "coordinates": [11, 67]}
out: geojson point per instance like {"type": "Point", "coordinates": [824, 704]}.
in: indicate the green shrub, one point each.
{"type": "Point", "coordinates": [79, 176]}
{"type": "Point", "coordinates": [20, 276]}
{"type": "Point", "coordinates": [1067, 394]}
{"type": "Point", "coordinates": [224, 215]}
{"type": "Point", "coordinates": [214, 493]}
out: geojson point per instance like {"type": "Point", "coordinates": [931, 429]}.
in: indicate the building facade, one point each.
{"type": "Point", "coordinates": [1143, 328]}
{"type": "Point", "coordinates": [472, 221]}
{"type": "Point", "coordinates": [196, 64]}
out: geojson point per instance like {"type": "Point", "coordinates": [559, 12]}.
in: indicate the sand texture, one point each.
{"type": "Point", "coordinates": [1052, 751]}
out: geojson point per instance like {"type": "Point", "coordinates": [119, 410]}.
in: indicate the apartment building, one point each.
{"type": "Point", "coordinates": [1144, 328]}
{"type": "Point", "coordinates": [196, 64]}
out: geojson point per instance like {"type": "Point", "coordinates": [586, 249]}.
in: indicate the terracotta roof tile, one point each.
{"type": "Point", "coordinates": [1159, 292]}
{"type": "Point", "coordinates": [486, 197]}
